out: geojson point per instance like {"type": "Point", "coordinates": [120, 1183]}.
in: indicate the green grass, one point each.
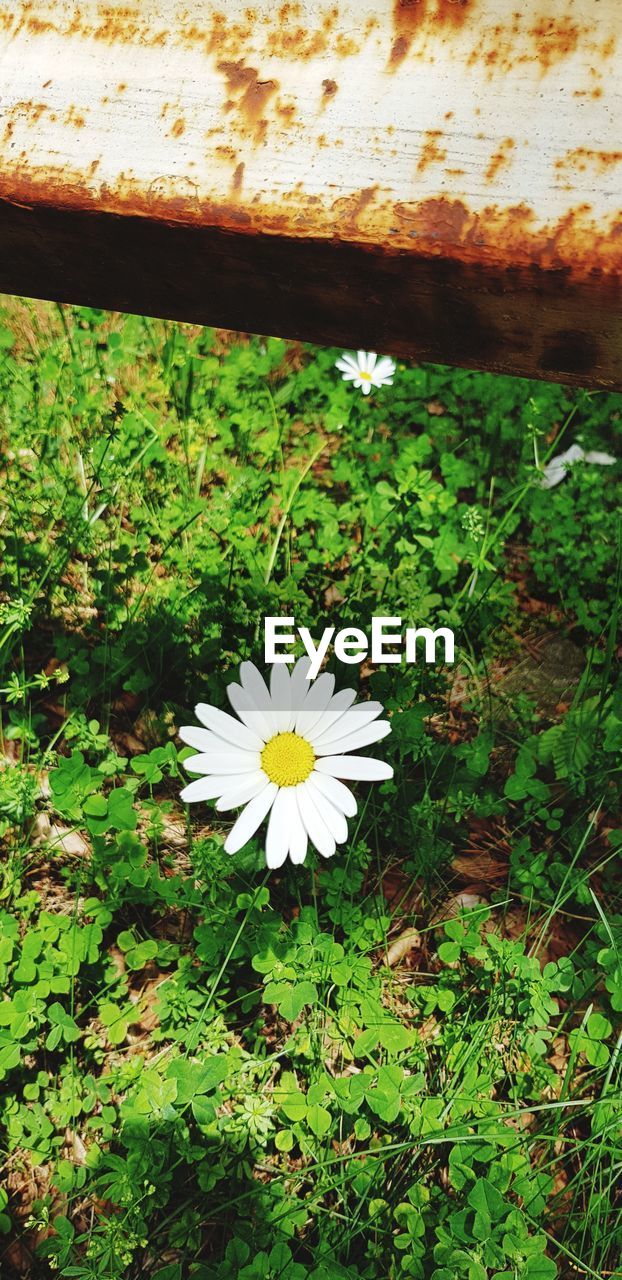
{"type": "Point", "coordinates": [401, 1062]}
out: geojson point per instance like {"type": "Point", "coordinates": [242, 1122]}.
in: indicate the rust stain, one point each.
{"type": "Point", "coordinates": [510, 237]}
{"type": "Point", "coordinates": [494, 238]}
{"type": "Point", "coordinates": [499, 159]}
{"type": "Point", "coordinates": [113, 24]}
{"type": "Point", "coordinates": [178, 128]}
{"type": "Point", "coordinates": [399, 50]}
{"type": "Point", "coordinates": [453, 12]}
{"type": "Point", "coordinates": [329, 88]}
{"type": "Point", "coordinates": [407, 17]}
{"type": "Point", "coordinates": [499, 46]}
{"type": "Point", "coordinates": [74, 118]}
{"type": "Point", "coordinates": [553, 39]}
{"type": "Point", "coordinates": [126, 24]}
{"type": "Point", "coordinates": [585, 158]}
{"type": "Point", "coordinates": [300, 43]}
{"type": "Point", "coordinates": [238, 76]}
{"type": "Point", "coordinates": [249, 93]}
{"type": "Point", "coordinates": [541, 43]}
{"type": "Point", "coordinates": [32, 111]}
{"type": "Point", "coordinates": [351, 208]}
{"type": "Point", "coordinates": [431, 152]}
{"type": "Point", "coordinates": [289, 35]}
{"type": "Point", "coordinates": [286, 110]}
{"type": "Point", "coordinates": [38, 27]}
{"type": "Point", "coordinates": [411, 16]}
{"type": "Point", "coordinates": [238, 178]}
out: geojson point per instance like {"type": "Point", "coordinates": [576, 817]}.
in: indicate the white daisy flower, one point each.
{"type": "Point", "coordinates": [285, 757]}
{"type": "Point", "coordinates": [366, 370]}
{"type": "Point", "coordinates": [558, 467]}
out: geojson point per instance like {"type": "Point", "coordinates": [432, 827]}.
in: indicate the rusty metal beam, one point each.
{"type": "Point", "coordinates": [431, 178]}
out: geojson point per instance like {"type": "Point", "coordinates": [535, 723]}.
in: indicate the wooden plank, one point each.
{"type": "Point", "coordinates": [431, 178]}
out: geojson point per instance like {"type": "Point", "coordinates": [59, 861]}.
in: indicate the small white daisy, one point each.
{"type": "Point", "coordinates": [366, 370]}
{"type": "Point", "coordinates": [285, 756]}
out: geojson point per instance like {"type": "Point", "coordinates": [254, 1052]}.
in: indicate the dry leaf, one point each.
{"type": "Point", "coordinates": [410, 940]}
{"type": "Point", "coordinates": [129, 743]}
{"type": "Point", "coordinates": [332, 596]}
{"type": "Point", "coordinates": [40, 829]}
{"type": "Point", "coordinates": [70, 841]}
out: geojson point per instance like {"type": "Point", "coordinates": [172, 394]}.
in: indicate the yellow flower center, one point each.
{"type": "Point", "coordinates": [365, 377]}
{"type": "Point", "coordinates": [287, 759]}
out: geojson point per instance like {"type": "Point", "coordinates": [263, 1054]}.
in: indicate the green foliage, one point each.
{"type": "Point", "coordinates": [403, 1062]}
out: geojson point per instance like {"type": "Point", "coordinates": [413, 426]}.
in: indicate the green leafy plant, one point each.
{"type": "Point", "coordinates": [403, 1061]}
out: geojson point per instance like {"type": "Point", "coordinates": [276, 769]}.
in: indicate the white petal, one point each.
{"type": "Point", "coordinates": [364, 737]}
{"type": "Point", "coordinates": [361, 768]}
{"type": "Point", "coordinates": [556, 470]}
{"type": "Point", "coordinates": [197, 764]}
{"type": "Point", "coordinates": [316, 701]}
{"type": "Point", "coordinates": [297, 834]}
{"type": "Point", "coordinates": [341, 797]}
{"type": "Point", "coordinates": [370, 364]}
{"type": "Point", "coordinates": [223, 762]}
{"type": "Point", "coordinates": [338, 705]}
{"type": "Point", "coordinates": [385, 367]}
{"type": "Point", "coordinates": [251, 818]}
{"type": "Point", "coordinates": [258, 720]}
{"type": "Point", "coordinates": [202, 789]}
{"type": "Point", "coordinates": [210, 742]}
{"type": "Point", "coordinates": [574, 454]}
{"type": "Point", "coordinates": [600, 459]}
{"type": "Point", "coordinates": [227, 727]}
{"type": "Point", "coordinates": [335, 820]}
{"type": "Point", "coordinates": [361, 360]}
{"type": "Point", "coordinates": [347, 364]}
{"type": "Point", "coordinates": [255, 686]}
{"type": "Point", "coordinates": [349, 377]}
{"type": "Point", "coordinates": [280, 694]}
{"type": "Point", "coordinates": [300, 686]}
{"type": "Point", "coordinates": [240, 790]}
{"type": "Point", "coordinates": [331, 729]}
{"type": "Point", "coordinates": [366, 388]}
{"type": "Point", "coordinates": [552, 475]}
{"type": "Point", "coordinates": [313, 822]}
{"type": "Point", "coordinates": [195, 737]}
{"type": "Point", "coordinates": [277, 838]}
